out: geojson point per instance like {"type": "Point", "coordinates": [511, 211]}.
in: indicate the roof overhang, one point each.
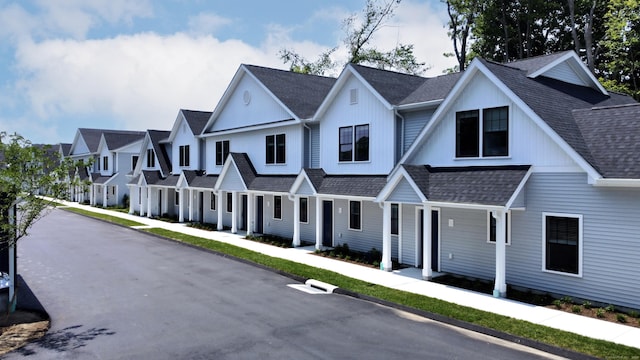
{"type": "Point", "coordinates": [627, 183]}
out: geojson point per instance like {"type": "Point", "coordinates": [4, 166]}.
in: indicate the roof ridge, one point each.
{"type": "Point", "coordinates": [286, 71]}
{"type": "Point", "coordinates": [389, 71]}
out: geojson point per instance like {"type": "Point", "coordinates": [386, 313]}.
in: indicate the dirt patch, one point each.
{"type": "Point", "coordinates": [19, 328]}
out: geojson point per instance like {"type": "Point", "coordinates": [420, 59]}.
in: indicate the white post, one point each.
{"type": "Point", "coordinates": [105, 195]}
{"type": "Point", "coordinates": [386, 238]}
{"type": "Point", "coordinates": [149, 202]}
{"type": "Point", "coordinates": [427, 273]}
{"type": "Point", "coordinates": [234, 212]}
{"type": "Point", "coordinates": [296, 221]}
{"type": "Point", "coordinates": [131, 199]}
{"type": "Point", "coordinates": [318, 223]}
{"type": "Point", "coordinates": [250, 201]}
{"type": "Point", "coordinates": [219, 209]}
{"type": "Point", "coordinates": [500, 288]}
{"type": "Point", "coordinates": [190, 204]}
{"type": "Point", "coordinates": [180, 205]}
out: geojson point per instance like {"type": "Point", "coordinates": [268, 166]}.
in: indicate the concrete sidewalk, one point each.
{"type": "Point", "coordinates": [410, 280]}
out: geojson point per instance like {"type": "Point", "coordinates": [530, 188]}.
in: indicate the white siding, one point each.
{"type": "Point", "coordinates": [183, 137]}
{"type": "Point", "coordinates": [232, 181]}
{"type": "Point", "coordinates": [404, 192]}
{"type": "Point", "coordinates": [105, 152]}
{"type": "Point", "coordinates": [305, 189]}
{"type": "Point", "coordinates": [262, 108]}
{"type": "Point", "coordinates": [528, 144]}
{"type": "Point", "coordinates": [368, 110]}
{"type": "Point", "coordinates": [564, 72]}
{"type": "Point", "coordinates": [408, 234]}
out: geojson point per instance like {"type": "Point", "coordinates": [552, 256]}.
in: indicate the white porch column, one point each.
{"type": "Point", "coordinates": [92, 195]}
{"type": "Point", "coordinates": [219, 209]}
{"type": "Point", "coordinates": [427, 273]}
{"type": "Point", "coordinates": [180, 205]}
{"type": "Point", "coordinates": [191, 205]}
{"type": "Point", "coordinates": [250, 201]}
{"type": "Point", "coordinates": [296, 221]}
{"type": "Point", "coordinates": [234, 212]}
{"type": "Point", "coordinates": [131, 199]}
{"type": "Point", "coordinates": [318, 223]}
{"type": "Point", "coordinates": [500, 288]}
{"type": "Point", "coordinates": [385, 264]}
{"type": "Point", "coordinates": [105, 196]}
{"type": "Point", "coordinates": [149, 202]}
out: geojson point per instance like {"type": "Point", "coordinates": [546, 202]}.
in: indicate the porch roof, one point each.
{"type": "Point", "coordinates": [479, 185]}
{"type": "Point", "coordinates": [275, 183]}
{"type": "Point", "coordinates": [352, 185]}
{"type": "Point", "coordinates": [99, 179]}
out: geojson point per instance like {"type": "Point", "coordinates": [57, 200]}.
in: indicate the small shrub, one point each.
{"type": "Point", "coordinates": [621, 318]}
{"type": "Point", "coordinates": [587, 305]}
{"type": "Point", "coordinates": [610, 308]}
{"type": "Point", "coordinates": [600, 313]}
{"type": "Point", "coordinates": [558, 303]}
{"type": "Point", "coordinates": [576, 309]}
{"type": "Point", "coordinates": [566, 300]}
{"type": "Point", "coordinates": [332, 253]}
{"type": "Point", "coordinates": [634, 314]}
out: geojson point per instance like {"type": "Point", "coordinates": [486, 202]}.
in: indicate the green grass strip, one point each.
{"type": "Point", "coordinates": [109, 218]}
{"type": "Point", "coordinates": [559, 338]}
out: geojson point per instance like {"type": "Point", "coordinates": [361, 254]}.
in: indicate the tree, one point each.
{"type": "Point", "coordinates": [462, 15]}
{"type": "Point", "coordinates": [358, 34]}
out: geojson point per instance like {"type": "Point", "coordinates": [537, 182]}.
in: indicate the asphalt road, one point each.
{"type": "Point", "coordinates": [115, 293]}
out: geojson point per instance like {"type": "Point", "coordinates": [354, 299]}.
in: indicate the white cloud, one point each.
{"type": "Point", "coordinates": [207, 23]}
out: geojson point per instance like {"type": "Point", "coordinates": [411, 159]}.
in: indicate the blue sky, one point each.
{"type": "Point", "coordinates": [132, 64]}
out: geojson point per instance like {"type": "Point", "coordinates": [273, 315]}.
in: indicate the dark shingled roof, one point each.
{"type": "Point", "coordinates": [66, 148]}
{"type": "Point", "coordinates": [436, 88]}
{"type": "Point", "coordinates": [245, 167]}
{"type": "Point", "coordinates": [196, 120]}
{"type": "Point", "coordinates": [479, 185]}
{"type": "Point", "coordinates": [275, 183]}
{"type": "Point", "coordinates": [151, 177]}
{"type": "Point", "coordinates": [533, 64]}
{"type": "Point", "coordinates": [98, 179]}
{"type": "Point", "coordinates": [612, 135]}
{"type": "Point", "coordinates": [301, 93]}
{"type": "Point", "coordinates": [162, 156]}
{"type": "Point", "coordinates": [353, 185]}
{"type": "Point", "coordinates": [204, 181]}
{"type": "Point", "coordinates": [392, 86]}
{"type": "Point", "coordinates": [118, 139]}
{"type": "Point", "coordinates": [315, 176]}
{"type": "Point", "coordinates": [169, 181]}
{"type": "Point", "coordinates": [91, 138]}
{"type": "Point", "coordinates": [554, 100]}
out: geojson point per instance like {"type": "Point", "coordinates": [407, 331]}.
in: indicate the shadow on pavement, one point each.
{"type": "Point", "coordinates": [64, 340]}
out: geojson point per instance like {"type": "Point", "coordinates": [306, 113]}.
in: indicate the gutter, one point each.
{"type": "Point", "coordinates": [625, 183]}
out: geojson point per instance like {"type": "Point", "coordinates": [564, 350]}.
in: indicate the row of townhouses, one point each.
{"type": "Point", "coordinates": [526, 173]}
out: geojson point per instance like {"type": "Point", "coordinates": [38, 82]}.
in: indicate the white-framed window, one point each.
{"type": "Point", "coordinates": [491, 228]}
{"type": "Point", "coordinates": [277, 207]}
{"type": "Point", "coordinates": [275, 149]}
{"type": "Point", "coordinates": [482, 136]}
{"type": "Point", "coordinates": [355, 215]}
{"type": "Point", "coordinates": [562, 243]}
{"type": "Point", "coordinates": [212, 205]}
{"type": "Point", "coordinates": [105, 163]}
{"type": "Point", "coordinates": [222, 151]}
{"type": "Point", "coordinates": [304, 210]}
{"type": "Point", "coordinates": [353, 96]}
{"type": "Point", "coordinates": [395, 219]}
{"type": "Point", "coordinates": [177, 198]}
{"type": "Point", "coordinates": [353, 143]}
{"type": "Point", "coordinates": [151, 158]}
{"type": "Point", "coordinates": [184, 155]}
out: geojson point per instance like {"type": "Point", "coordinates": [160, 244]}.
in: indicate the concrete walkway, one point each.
{"type": "Point", "coordinates": [410, 280]}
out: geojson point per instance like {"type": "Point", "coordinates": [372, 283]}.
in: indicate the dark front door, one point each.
{"type": "Point", "coordinates": [243, 213]}
{"type": "Point", "coordinates": [435, 230]}
{"type": "Point", "coordinates": [201, 206]}
{"type": "Point", "coordinates": [420, 237]}
{"type": "Point", "coordinates": [159, 203]}
{"type": "Point", "coordinates": [327, 223]}
{"type": "Point", "coordinates": [259, 214]}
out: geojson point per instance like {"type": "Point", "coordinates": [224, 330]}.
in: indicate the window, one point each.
{"type": "Point", "coordinates": [353, 96]}
{"type": "Point", "coordinates": [212, 206]}
{"type": "Point", "coordinates": [134, 162]}
{"type": "Point", "coordinates": [222, 151]}
{"type": "Point", "coordinates": [395, 217]}
{"type": "Point", "coordinates": [467, 134]}
{"type": "Point", "coordinates": [354, 143]}
{"type": "Point", "coordinates": [495, 133]}
{"type": "Point", "coordinates": [275, 149]}
{"type": "Point", "coordinates": [229, 202]}
{"type": "Point", "coordinates": [177, 198]}
{"type": "Point", "coordinates": [277, 207]}
{"type": "Point", "coordinates": [151, 158]}
{"type": "Point", "coordinates": [495, 137]}
{"type": "Point", "coordinates": [563, 241]}
{"type": "Point", "coordinates": [355, 215]}
{"type": "Point", "coordinates": [492, 229]}
{"type": "Point", "coordinates": [184, 155]}
{"type": "Point", "coordinates": [304, 210]}
{"type": "Point", "coordinates": [105, 163]}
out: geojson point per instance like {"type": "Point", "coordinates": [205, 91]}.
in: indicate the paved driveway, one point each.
{"type": "Point", "coordinates": [114, 293]}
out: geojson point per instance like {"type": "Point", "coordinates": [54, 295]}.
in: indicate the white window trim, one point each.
{"type": "Point", "coordinates": [133, 167]}
{"type": "Point", "coordinates": [213, 202]}
{"type": "Point", "coordinates": [226, 207]}
{"type": "Point", "coordinates": [353, 145]}
{"type": "Point", "coordinates": [480, 133]}
{"type": "Point", "coordinates": [399, 220]}
{"type": "Point", "coordinates": [176, 197]}
{"type": "Point", "coordinates": [215, 152]}
{"type": "Point", "coordinates": [304, 222]}
{"type": "Point", "coordinates": [544, 243]}
{"type": "Point", "coordinates": [349, 213]}
{"type": "Point", "coordinates": [275, 150]}
{"type": "Point", "coordinates": [273, 211]}
{"type": "Point", "coordinates": [509, 219]}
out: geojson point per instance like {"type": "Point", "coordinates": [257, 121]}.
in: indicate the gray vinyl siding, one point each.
{"type": "Point", "coordinates": [315, 146]}
{"type": "Point", "coordinates": [520, 200]}
{"type": "Point", "coordinates": [210, 216]}
{"type": "Point", "coordinates": [414, 122]}
{"type": "Point", "coordinates": [360, 240]}
{"type": "Point", "coordinates": [405, 193]}
{"type": "Point", "coordinates": [611, 239]}
{"type": "Point", "coordinates": [466, 241]}
{"type": "Point", "coordinates": [408, 234]}
{"type": "Point", "coordinates": [281, 227]}
{"type": "Point", "coordinates": [308, 230]}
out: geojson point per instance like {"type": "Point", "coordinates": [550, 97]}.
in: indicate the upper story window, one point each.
{"type": "Point", "coordinates": [151, 158]}
{"type": "Point", "coordinates": [222, 151]}
{"type": "Point", "coordinates": [275, 151]}
{"type": "Point", "coordinates": [494, 138]}
{"type": "Point", "coordinates": [184, 155]}
{"type": "Point", "coordinates": [105, 163]}
{"type": "Point", "coordinates": [134, 162]}
{"type": "Point", "coordinates": [354, 143]}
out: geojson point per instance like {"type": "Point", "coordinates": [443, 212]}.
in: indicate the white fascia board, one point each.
{"type": "Point", "coordinates": [182, 181]}
{"type": "Point", "coordinates": [121, 149]}
{"type": "Point", "coordinates": [515, 194]}
{"type": "Point", "coordinates": [441, 204]}
{"type": "Point", "coordinates": [101, 144]}
{"type": "Point", "coordinates": [250, 128]}
{"type": "Point", "coordinates": [176, 126]}
{"type": "Point", "coordinates": [300, 179]}
{"type": "Point", "coordinates": [628, 183]}
{"type": "Point", "coordinates": [582, 71]}
{"type": "Point", "coordinates": [346, 197]}
{"type": "Point", "coordinates": [392, 182]}
{"type": "Point", "coordinates": [111, 178]}
{"type": "Point", "coordinates": [420, 105]}
{"type": "Point", "coordinates": [225, 169]}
